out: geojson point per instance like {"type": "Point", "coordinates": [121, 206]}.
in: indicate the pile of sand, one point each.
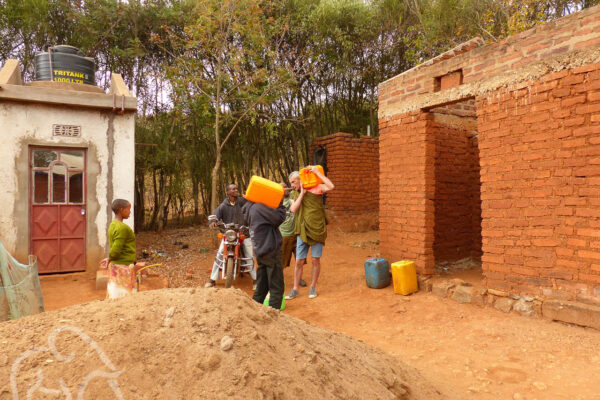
{"type": "Point", "coordinates": [192, 344]}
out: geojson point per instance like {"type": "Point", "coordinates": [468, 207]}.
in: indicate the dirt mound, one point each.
{"type": "Point", "coordinates": [192, 344]}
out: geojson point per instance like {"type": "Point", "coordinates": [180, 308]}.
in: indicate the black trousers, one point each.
{"type": "Point", "coordinates": [269, 278]}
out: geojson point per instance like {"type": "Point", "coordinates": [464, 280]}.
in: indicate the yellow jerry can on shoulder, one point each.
{"type": "Point", "coordinates": [404, 276]}
{"type": "Point", "coordinates": [261, 190]}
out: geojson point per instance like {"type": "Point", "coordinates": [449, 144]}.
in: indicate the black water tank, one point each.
{"type": "Point", "coordinates": [68, 63]}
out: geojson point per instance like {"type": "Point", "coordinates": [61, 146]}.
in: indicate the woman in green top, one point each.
{"type": "Point", "coordinates": [121, 257]}
{"type": "Point", "coordinates": [121, 238]}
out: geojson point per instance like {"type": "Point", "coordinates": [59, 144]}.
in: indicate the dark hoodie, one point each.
{"type": "Point", "coordinates": [264, 228]}
{"type": "Point", "coordinates": [231, 213]}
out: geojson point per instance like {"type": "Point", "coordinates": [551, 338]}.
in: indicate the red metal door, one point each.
{"type": "Point", "coordinates": [57, 201]}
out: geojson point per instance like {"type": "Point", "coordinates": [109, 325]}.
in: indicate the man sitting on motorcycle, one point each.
{"type": "Point", "coordinates": [230, 211]}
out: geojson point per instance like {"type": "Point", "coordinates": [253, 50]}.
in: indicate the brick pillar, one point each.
{"type": "Point", "coordinates": [407, 188]}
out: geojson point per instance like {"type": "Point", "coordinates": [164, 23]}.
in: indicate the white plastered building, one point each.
{"type": "Point", "coordinates": [68, 150]}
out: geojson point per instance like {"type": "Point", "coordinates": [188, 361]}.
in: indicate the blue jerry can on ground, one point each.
{"type": "Point", "coordinates": [377, 273]}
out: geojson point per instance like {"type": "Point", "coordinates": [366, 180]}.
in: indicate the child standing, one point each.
{"type": "Point", "coordinates": [121, 258]}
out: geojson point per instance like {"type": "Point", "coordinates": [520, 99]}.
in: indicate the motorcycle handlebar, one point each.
{"type": "Point", "coordinates": [223, 227]}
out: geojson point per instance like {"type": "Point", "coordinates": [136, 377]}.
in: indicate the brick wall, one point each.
{"type": "Point", "coordinates": [457, 192]}
{"type": "Point", "coordinates": [537, 98]}
{"type": "Point", "coordinates": [478, 62]}
{"type": "Point", "coordinates": [466, 108]}
{"type": "Point", "coordinates": [406, 212]}
{"type": "Point", "coordinates": [353, 167]}
{"type": "Point", "coordinates": [540, 174]}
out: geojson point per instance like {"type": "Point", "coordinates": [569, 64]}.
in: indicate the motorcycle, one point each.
{"type": "Point", "coordinates": [230, 261]}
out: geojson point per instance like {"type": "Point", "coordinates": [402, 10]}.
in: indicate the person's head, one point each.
{"type": "Point", "coordinates": [232, 191]}
{"type": "Point", "coordinates": [286, 189]}
{"type": "Point", "coordinates": [295, 180]}
{"type": "Point", "coordinates": [121, 208]}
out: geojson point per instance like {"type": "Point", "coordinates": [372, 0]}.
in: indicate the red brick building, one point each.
{"type": "Point", "coordinates": [492, 152]}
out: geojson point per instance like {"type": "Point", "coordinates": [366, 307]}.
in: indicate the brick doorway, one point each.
{"type": "Point", "coordinates": [457, 196]}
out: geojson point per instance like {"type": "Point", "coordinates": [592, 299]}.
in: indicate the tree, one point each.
{"type": "Point", "coordinates": [228, 59]}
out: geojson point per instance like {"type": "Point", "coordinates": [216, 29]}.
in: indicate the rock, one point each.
{"type": "Point", "coordinates": [498, 293]}
{"type": "Point", "coordinates": [168, 315]}
{"type": "Point", "coordinates": [551, 293]}
{"type": "Point", "coordinates": [540, 385]}
{"type": "Point", "coordinates": [463, 294]}
{"type": "Point", "coordinates": [441, 289]}
{"type": "Point", "coordinates": [524, 307]}
{"type": "Point", "coordinates": [479, 297]}
{"type": "Point", "coordinates": [424, 283]}
{"type": "Point", "coordinates": [226, 343]}
{"type": "Point", "coordinates": [582, 298]}
{"type": "Point", "coordinates": [571, 312]}
{"type": "Point", "coordinates": [460, 282]}
{"type": "Point", "coordinates": [504, 304]}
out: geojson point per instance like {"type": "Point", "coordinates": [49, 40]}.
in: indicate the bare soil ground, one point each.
{"type": "Point", "coordinates": [193, 344]}
{"type": "Point", "coordinates": [465, 351]}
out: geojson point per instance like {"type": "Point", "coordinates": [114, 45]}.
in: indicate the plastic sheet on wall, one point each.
{"type": "Point", "coordinates": [20, 289]}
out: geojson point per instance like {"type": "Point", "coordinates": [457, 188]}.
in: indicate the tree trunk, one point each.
{"type": "Point", "coordinates": [218, 149]}
{"type": "Point", "coordinates": [139, 215]}
{"type": "Point", "coordinates": [215, 181]}
{"type": "Point", "coordinates": [195, 194]}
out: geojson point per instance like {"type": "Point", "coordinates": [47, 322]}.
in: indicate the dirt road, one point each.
{"type": "Point", "coordinates": [466, 351]}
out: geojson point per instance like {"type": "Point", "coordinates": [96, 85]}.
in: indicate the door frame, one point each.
{"type": "Point", "coordinates": [83, 205]}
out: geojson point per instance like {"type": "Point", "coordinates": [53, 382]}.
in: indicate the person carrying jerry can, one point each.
{"type": "Point", "coordinates": [310, 226]}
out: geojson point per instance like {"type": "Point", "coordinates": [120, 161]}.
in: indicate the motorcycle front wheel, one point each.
{"type": "Point", "coordinates": [229, 272]}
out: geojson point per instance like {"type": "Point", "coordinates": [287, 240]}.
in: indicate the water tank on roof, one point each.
{"type": "Point", "coordinates": [67, 63]}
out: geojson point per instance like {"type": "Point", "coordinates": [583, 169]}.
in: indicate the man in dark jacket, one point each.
{"type": "Point", "coordinates": [266, 238]}
{"type": "Point", "coordinates": [230, 210]}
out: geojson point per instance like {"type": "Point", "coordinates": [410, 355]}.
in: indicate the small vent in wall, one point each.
{"type": "Point", "coordinates": [66, 130]}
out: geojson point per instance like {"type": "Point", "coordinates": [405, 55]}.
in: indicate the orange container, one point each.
{"type": "Point", "coordinates": [309, 179]}
{"type": "Point", "coordinates": [261, 190]}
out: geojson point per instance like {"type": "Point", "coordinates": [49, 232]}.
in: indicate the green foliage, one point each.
{"type": "Point", "coordinates": [231, 88]}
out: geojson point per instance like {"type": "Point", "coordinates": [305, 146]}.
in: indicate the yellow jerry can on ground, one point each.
{"type": "Point", "coordinates": [404, 276]}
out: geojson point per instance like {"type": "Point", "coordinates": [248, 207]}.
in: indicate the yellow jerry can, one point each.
{"type": "Point", "coordinates": [404, 276]}
{"type": "Point", "coordinates": [261, 190]}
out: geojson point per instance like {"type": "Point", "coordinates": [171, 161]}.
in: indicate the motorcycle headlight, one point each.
{"type": "Point", "coordinates": [231, 236]}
